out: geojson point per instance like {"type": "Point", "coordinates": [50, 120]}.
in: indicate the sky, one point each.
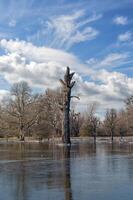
{"type": "Point", "coordinates": [39, 38]}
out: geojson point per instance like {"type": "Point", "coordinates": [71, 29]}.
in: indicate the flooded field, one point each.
{"type": "Point", "coordinates": [48, 172]}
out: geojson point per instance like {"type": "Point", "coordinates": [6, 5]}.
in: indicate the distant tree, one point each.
{"type": "Point", "coordinates": [4, 128]}
{"type": "Point", "coordinates": [94, 123]}
{"type": "Point", "coordinates": [53, 100]}
{"type": "Point", "coordinates": [122, 123]}
{"type": "Point", "coordinates": [129, 110]}
{"type": "Point", "coordinates": [111, 122]}
{"type": "Point", "coordinates": [76, 121]}
{"type": "Point", "coordinates": [91, 121]}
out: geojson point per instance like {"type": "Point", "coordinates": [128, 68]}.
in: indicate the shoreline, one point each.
{"type": "Point", "coordinates": [126, 139]}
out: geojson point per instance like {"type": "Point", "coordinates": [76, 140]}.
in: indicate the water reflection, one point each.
{"type": "Point", "coordinates": [62, 180]}
{"type": "Point", "coordinates": [67, 174]}
{"type": "Point", "coordinates": [21, 184]}
{"type": "Point", "coordinates": [46, 171]}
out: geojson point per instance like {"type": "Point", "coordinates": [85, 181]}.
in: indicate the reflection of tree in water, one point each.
{"type": "Point", "coordinates": [67, 174]}
{"type": "Point", "coordinates": [15, 172]}
{"type": "Point", "coordinates": [60, 177]}
{"type": "Point", "coordinates": [43, 168]}
{"type": "Point", "coordinates": [27, 175]}
{"type": "Point", "coordinates": [53, 169]}
{"type": "Point", "coordinates": [118, 158]}
{"type": "Point", "coordinates": [22, 175]}
{"type": "Point", "coordinates": [21, 192]}
{"type": "Point", "coordinates": [130, 162]}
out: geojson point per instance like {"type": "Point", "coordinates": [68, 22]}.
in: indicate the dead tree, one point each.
{"type": "Point", "coordinates": [67, 84]}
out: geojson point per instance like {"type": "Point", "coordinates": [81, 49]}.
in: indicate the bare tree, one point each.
{"type": "Point", "coordinates": [129, 110]}
{"type": "Point", "coordinates": [53, 100]}
{"type": "Point", "coordinates": [94, 123]}
{"type": "Point", "coordinates": [75, 123]}
{"type": "Point", "coordinates": [23, 108]}
{"type": "Point", "coordinates": [91, 121]}
{"type": "Point", "coordinates": [4, 126]}
{"type": "Point", "coordinates": [122, 123]}
{"type": "Point", "coordinates": [111, 121]}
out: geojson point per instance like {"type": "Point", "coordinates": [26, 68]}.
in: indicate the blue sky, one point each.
{"type": "Point", "coordinates": [39, 38]}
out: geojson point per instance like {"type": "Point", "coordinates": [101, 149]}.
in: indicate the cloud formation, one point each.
{"type": "Point", "coordinates": [125, 37]}
{"type": "Point", "coordinates": [37, 65]}
{"type": "Point", "coordinates": [42, 67]}
{"type": "Point", "coordinates": [120, 20]}
{"type": "Point", "coordinates": [110, 61]}
{"type": "Point", "coordinates": [67, 30]}
{"type": "Point", "coordinates": [65, 33]}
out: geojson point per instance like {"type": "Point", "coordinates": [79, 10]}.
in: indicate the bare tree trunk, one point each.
{"type": "Point", "coordinates": [66, 121]}
{"type": "Point", "coordinates": [67, 86]}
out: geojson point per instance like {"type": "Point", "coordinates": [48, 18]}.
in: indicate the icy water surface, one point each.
{"type": "Point", "coordinates": [48, 172]}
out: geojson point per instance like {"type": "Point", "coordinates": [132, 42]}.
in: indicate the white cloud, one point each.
{"type": "Point", "coordinates": [125, 37]}
{"type": "Point", "coordinates": [42, 67]}
{"type": "Point", "coordinates": [37, 74]}
{"type": "Point", "coordinates": [112, 60]}
{"type": "Point", "coordinates": [111, 91]}
{"type": "Point", "coordinates": [87, 34]}
{"type": "Point", "coordinates": [120, 20]}
{"type": "Point", "coordinates": [66, 30]}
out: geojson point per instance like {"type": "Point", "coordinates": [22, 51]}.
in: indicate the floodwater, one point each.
{"type": "Point", "coordinates": [50, 172]}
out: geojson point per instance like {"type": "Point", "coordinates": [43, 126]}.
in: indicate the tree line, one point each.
{"type": "Point", "coordinates": [25, 114]}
